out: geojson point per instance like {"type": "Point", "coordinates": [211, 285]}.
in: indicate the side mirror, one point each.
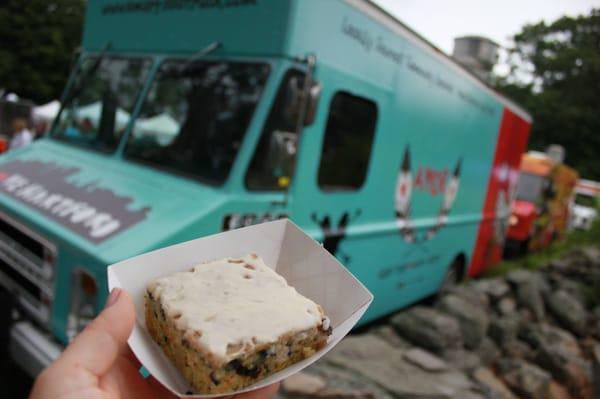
{"type": "Point", "coordinates": [314, 93]}
{"type": "Point", "coordinates": [295, 99]}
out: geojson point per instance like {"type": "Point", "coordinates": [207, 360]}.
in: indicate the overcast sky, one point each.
{"type": "Point", "coordinates": [440, 21]}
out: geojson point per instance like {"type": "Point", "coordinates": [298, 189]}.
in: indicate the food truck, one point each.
{"type": "Point", "coordinates": [540, 211]}
{"type": "Point", "coordinates": [186, 118]}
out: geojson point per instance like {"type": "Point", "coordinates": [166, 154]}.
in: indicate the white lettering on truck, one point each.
{"type": "Point", "coordinates": [98, 224]}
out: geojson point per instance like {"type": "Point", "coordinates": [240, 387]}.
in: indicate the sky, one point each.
{"type": "Point", "coordinates": [440, 21]}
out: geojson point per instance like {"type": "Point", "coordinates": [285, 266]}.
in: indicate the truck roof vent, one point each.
{"type": "Point", "coordinates": [476, 53]}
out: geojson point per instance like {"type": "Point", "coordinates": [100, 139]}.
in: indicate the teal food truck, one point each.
{"type": "Point", "coordinates": [183, 118]}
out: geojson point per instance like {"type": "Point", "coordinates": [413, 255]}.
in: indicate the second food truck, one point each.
{"type": "Point", "coordinates": [543, 202]}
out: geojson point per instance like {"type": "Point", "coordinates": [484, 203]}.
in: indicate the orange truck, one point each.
{"type": "Point", "coordinates": [540, 211]}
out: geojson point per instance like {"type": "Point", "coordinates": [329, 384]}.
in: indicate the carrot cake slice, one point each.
{"type": "Point", "coordinates": [228, 323]}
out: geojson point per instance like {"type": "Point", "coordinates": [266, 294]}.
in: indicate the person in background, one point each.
{"type": "Point", "coordinates": [21, 136]}
{"type": "Point", "coordinates": [99, 364]}
{"type": "Point", "coordinates": [40, 129]}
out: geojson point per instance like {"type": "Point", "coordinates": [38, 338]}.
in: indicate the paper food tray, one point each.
{"type": "Point", "coordinates": [304, 263]}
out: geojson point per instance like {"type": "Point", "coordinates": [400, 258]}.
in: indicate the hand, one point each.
{"type": "Point", "coordinates": [99, 363]}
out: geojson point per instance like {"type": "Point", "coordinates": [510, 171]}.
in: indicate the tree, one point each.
{"type": "Point", "coordinates": [38, 41]}
{"type": "Point", "coordinates": [555, 74]}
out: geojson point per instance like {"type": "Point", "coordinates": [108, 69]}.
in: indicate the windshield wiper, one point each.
{"type": "Point", "coordinates": [86, 75]}
{"type": "Point", "coordinates": [212, 47]}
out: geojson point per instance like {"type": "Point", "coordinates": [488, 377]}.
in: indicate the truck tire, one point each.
{"type": "Point", "coordinates": [454, 275]}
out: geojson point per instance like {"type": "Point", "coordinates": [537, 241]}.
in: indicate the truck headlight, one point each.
{"type": "Point", "coordinates": [513, 220]}
{"type": "Point", "coordinates": [84, 290]}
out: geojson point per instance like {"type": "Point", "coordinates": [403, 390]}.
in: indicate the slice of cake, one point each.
{"type": "Point", "coordinates": [229, 323]}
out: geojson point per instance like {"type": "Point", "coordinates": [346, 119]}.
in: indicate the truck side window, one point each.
{"type": "Point", "coordinates": [347, 142]}
{"type": "Point", "coordinates": [272, 166]}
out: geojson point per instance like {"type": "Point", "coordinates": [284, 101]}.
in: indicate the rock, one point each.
{"type": "Point", "coordinates": [355, 348]}
{"type": "Point", "coordinates": [463, 359]}
{"type": "Point", "coordinates": [581, 264]}
{"type": "Point", "coordinates": [504, 329]}
{"type": "Point", "coordinates": [473, 395]}
{"type": "Point", "coordinates": [529, 287]}
{"type": "Point", "coordinates": [576, 258]}
{"type": "Point", "coordinates": [344, 382]}
{"type": "Point", "coordinates": [557, 391]}
{"type": "Point", "coordinates": [372, 358]}
{"type": "Point", "coordinates": [428, 328]}
{"type": "Point", "coordinates": [573, 288]}
{"type": "Point", "coordinates": [570, 369]}
{"type": "Point", "coordinates": [494, 388]}
{"type": "Point", "coordinates": [473, 319]}
{"type": "Point", "coordinates": [495, 288]}
{"type": "Point", "coordinates": [518, 277]}
{"type": "Point", "coordinates": [543, 283]}
{"type": "Point", "coordinates": [588, 346]}
{"type": "Point", "coordinates": [594, 323]}
{"type": "Point", "coordinates": [539, 335]}
{"type": "Point", "coordinates": [529, 295]}
{"type": "Point", "coordinates": [453, 384]}
{"type": "Point", "coordinates": [525, 379]}
{"type": "Point", "coordinates": [488, 352]}
{"type": "Point", "coordinates": [506, 306]}
{"type": "Point", "coordinates": [517, 349]}
{"type": "Point", "coordinates": [596, 361]}
{"type": "Point", "coordinates": [526, 315]}
{"type": "Point", "coordinates": [425, 360]}
{"type": "Point", "coordinates": [471, 295]}
{"type": "Point", "coordinates": [592, 254]}
{"type": "Point", "coordinates": [568, 311]}
{"type": "Point", "coordinates": [388, 333]}
{"type": "Point", "coordinates": [559, 265]}
{"type": "Point", "coordinates": [303, 383]}
{"type": "Point", "coordinates": [596, 354]}
{"type": "Point", "coordinates": [336, 393]}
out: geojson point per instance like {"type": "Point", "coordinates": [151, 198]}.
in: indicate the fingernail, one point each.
{"type": "Point", "coordinates": [113, 297]}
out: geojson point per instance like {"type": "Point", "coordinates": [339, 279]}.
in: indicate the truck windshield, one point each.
{"type": "Point", "coordinates": [530, 187]}
{"type": "Point", "coordinates": [100, 101]}
{"type": "Point", "coordinates": [195, 116]}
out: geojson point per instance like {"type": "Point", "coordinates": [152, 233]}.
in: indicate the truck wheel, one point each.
{"type": "Point", "coordinates": [453, 276]}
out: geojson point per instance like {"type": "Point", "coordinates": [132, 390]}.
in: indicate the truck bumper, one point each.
{"type": "Point", "coordinates": [32, 349]}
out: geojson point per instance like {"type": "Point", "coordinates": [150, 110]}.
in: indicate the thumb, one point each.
{"type": "Point", "coordinates": [97, 347]}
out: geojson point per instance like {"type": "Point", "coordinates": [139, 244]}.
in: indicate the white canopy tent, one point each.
{"type": "Point", "coordinates": [162, 126]}
{"type": "Point", "coordinates": [94, 110]}
{"type": "Point", "coordinates": [46, 112]}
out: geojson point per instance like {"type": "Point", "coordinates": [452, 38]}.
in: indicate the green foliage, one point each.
{"type": "Point", "coordinates": [537, 260]}
{"type": "Point", "coordinates": [38, 41]}
{"type": "Point", "coordinates": [563, 58]}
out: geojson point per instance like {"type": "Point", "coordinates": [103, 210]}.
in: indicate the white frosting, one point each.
{"type": "Point", "coordinates": [234, 302]}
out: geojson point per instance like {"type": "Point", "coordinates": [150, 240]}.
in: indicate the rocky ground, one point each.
{"type": "Point", "coordinates": [527, 335]}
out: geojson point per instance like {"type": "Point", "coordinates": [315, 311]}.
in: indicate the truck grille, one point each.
{"type": "Point", "coordinates": [27, 267]}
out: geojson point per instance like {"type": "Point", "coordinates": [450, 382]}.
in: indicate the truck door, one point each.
{"type": "Point", "coordinates": [270, 171]}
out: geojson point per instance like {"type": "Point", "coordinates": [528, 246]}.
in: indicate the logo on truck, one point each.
{"type": "Point", "coordinates": [435, 182]}
{"type": "Point", "coordinates": [92, 212]}
{"type": "Point", "coordinates": [333, 236]}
